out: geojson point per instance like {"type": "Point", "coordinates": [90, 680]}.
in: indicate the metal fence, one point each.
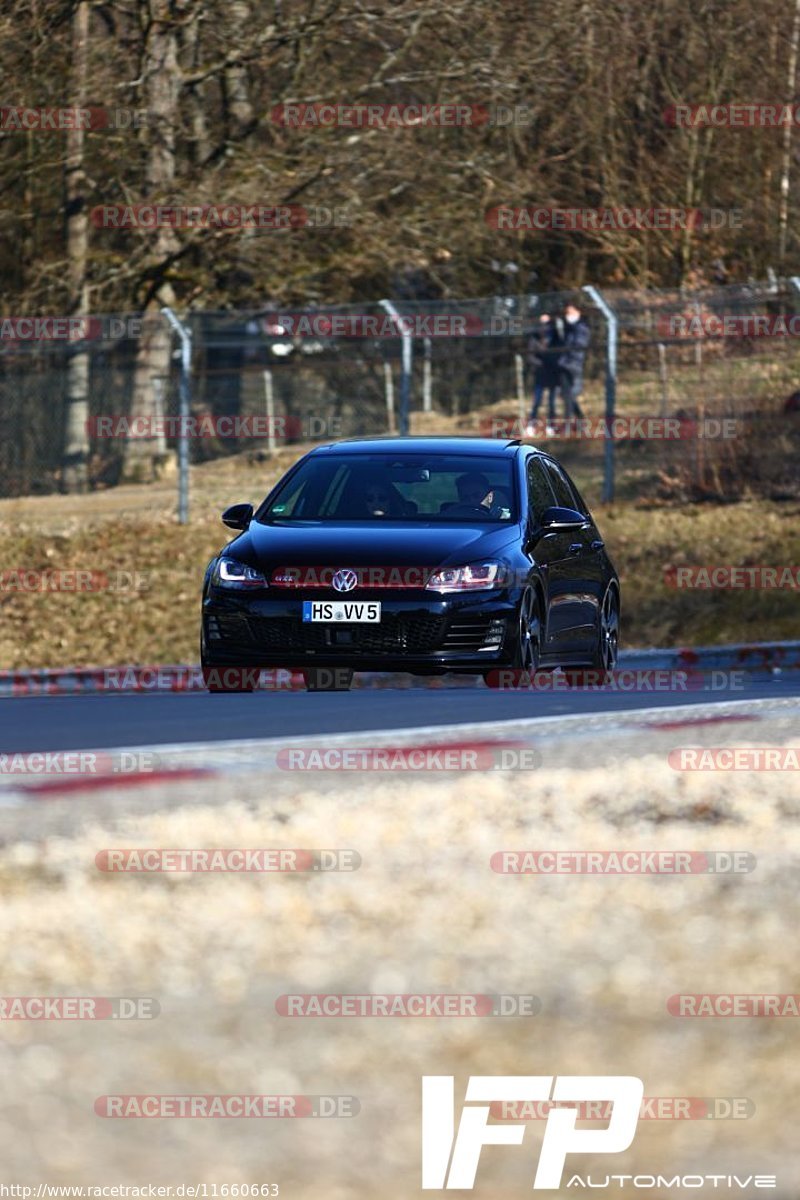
{"type": "Point", "coordinates": [272, 376]}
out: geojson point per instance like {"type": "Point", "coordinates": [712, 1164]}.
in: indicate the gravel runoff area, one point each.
{"type": "Point", "coordinates": [423, 914]}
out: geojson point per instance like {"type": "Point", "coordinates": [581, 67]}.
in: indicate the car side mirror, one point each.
{"type": "Point", "coordinates": [238, 516]}
{"type": "Point", "coordinates": [561, 518]}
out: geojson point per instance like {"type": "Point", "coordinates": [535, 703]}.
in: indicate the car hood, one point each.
{"type": "Point", "coordinates": [351, 545]}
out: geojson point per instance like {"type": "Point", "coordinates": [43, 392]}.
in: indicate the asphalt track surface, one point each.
{"type": "Point", "coordinates": [104, 721]}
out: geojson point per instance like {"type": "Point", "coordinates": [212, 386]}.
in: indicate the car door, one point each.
{"type": "Point", "coordinates": [550, 550]}
{"type": "Point", "coordinates": [580, 572]}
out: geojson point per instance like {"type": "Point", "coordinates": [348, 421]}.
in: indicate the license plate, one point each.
{"type": "Point", "coordinates": [337, 612]}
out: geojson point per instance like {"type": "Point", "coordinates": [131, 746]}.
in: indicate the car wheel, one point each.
{"type": "Point", "coordinates": [219, 679]}
{"type": "Point", "coordinates": [604, 659]}
{"type": "Point", "coordinates": [527, 647]}
{"type": "Point", "coordinates": [608, 647]}
{"type": "Point", "coordinates": [327, 679]}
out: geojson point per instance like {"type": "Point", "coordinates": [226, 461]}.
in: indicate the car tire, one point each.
{"type": "Point", "coordinates": [527, 647]}
{"type": "Point", "coordinates": [220, 678]}
{"type": "Point", "coordinates": [604, 659]}
{"type": "Point", "coordinates": [327, 679]}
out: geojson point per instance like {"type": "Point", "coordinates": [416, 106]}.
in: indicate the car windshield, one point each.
{"type": "Point", "coordinates": [390, 487]}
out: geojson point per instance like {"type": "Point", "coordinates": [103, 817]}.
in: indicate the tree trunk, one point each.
{"type": "Point", "coordinates": [146, 455]}
{"type": "Point", "coordinates": [74, 475]}
{"type": "Point", "coordinates": [791, 83]}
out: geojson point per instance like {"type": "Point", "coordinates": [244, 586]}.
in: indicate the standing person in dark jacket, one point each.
{"type": "Point", "coordinates": [572, 352]}
{"type": "Point", "coordinates": [543, 356]}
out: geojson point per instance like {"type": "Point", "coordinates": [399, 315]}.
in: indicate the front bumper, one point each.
{"type": "Point", "coordinates": [418, 632]}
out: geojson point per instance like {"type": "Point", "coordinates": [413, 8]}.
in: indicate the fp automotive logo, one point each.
{"type": "Point", "coordinates": [344, 580]}
{"type": "Point", "coordinates": [461, 1153]}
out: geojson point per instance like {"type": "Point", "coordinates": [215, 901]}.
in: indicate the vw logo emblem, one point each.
{"type": "Point", "coordinates": [345, 580]}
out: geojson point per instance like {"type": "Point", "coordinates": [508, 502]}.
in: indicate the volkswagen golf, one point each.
{"type": "Point", "coordinates": [424, 555]}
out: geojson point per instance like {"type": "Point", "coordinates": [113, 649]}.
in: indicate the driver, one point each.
{"type": "Point", "coordinates": [379, 500]}
{"type": "Point", "coordinates": [474, 490]}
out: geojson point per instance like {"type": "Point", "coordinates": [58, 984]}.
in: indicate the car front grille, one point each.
{"type": "Point", "coordinates": [395, 634]}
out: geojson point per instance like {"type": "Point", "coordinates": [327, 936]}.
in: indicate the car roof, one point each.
{"type": "Point", "coordinates": [464, 445]}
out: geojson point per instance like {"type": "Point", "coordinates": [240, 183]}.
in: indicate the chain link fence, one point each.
{"type": "Point", "coordinates": [703, 386]}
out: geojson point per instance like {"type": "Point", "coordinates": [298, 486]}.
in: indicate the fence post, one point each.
{"type": "Point", "coordinates": [74, 469]}
{"type": "Point", "coordinates": [389, 386]}
{"type": "Point", "coordinates": [519, 375]}
{"type": "Point", "coordinates": [698, 346]}
{"type": "Point", "coordinates": [185, 384]}
{"type": "Point", "coordinates": [405, 376]}
{"type": "Point", "coordinates": [269, 398]}
{"type": "Point", "coordinates": [611, 386]}
{"type": "Point", "coordinates": [662, 376]}
{"type": "Point", "coordinates": [427, 396]}
{"type": "Point", "coordinates": [159, 410]}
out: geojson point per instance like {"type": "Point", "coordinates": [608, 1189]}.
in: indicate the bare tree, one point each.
{"type": "Point", "coordinates": [76, 443]}
{"type": "Point", "coordinates": [786, 155]}
{"type": "Point", "coordinates": [161, 84]}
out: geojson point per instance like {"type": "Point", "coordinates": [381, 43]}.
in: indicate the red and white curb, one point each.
{"type": "Point", "coordinates": [759, 657]}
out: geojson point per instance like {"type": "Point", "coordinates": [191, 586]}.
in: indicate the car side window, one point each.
{"type": "Point", "coordinates": [564, 494]}
{"type": "Point", "coordinates": [540, 494]}
{"type": "Point", "coordinates": [581, 506]}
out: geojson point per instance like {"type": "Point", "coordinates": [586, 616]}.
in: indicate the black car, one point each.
{"type": "Point", "coordinates": [425, 555]}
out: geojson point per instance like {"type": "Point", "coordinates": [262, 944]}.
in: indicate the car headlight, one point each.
{"type": "Point", "coordinates": [475, 577]}
{"type": "Point", "coordinates": [231, 573]}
